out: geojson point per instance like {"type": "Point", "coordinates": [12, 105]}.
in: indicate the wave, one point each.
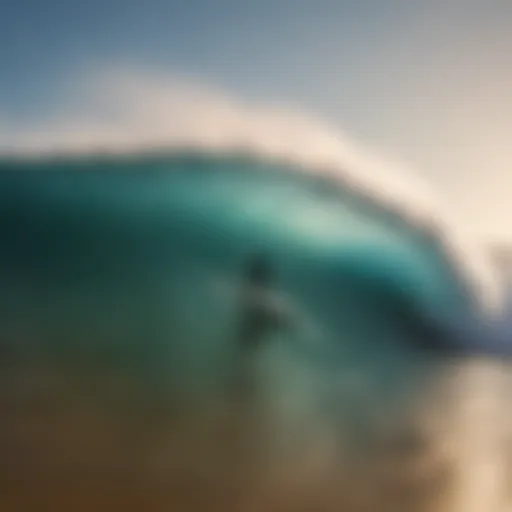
{"type": "Point", "coordinates": [106, 305]}
{"type": "Point", "coordinates": [123, 250]}
{"type": "Point", "coordinates": [122, 114]}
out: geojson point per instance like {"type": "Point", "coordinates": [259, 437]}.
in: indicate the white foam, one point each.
{"type": "Point", "coordinates": [123, 112]}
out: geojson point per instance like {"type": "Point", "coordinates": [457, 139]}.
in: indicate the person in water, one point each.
{"type": "Point", "coordinates": [259, 314]}
{"type": "Point", "coordinates": [254, 324]}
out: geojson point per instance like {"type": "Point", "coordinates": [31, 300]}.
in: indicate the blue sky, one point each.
{"type": "Point", "coordinates": [268, 47]}
{"type": "Point", "coordinates": [426, 81]}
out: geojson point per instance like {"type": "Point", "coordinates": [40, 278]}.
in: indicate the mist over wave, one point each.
{"type": "Point", "coordinates": [125, 111]}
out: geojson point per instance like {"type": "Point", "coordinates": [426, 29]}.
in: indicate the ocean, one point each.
{"type": "Point", "coordinates": [200, 330]}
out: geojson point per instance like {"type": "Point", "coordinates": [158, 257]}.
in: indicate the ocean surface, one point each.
{"type": "Point", "coordinates": [124, 306]}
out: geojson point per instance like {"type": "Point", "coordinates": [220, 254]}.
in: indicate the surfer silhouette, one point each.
{"type": "Point", "coordinates": [260, 315]}
{"type": "Point", "coordinates": [255, 318]}
{"type": "Point", "coordinates": [261, 312]}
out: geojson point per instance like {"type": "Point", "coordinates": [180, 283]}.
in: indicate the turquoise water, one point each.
{"type": "Point", "coordinates": [134, 264]}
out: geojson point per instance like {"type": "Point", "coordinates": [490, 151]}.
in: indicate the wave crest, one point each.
{"type": "Point", "coordinates": [123, 112]}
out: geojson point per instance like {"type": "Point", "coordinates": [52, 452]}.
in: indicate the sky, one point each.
{"type": "Point", "coordinates": [426, 82]}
